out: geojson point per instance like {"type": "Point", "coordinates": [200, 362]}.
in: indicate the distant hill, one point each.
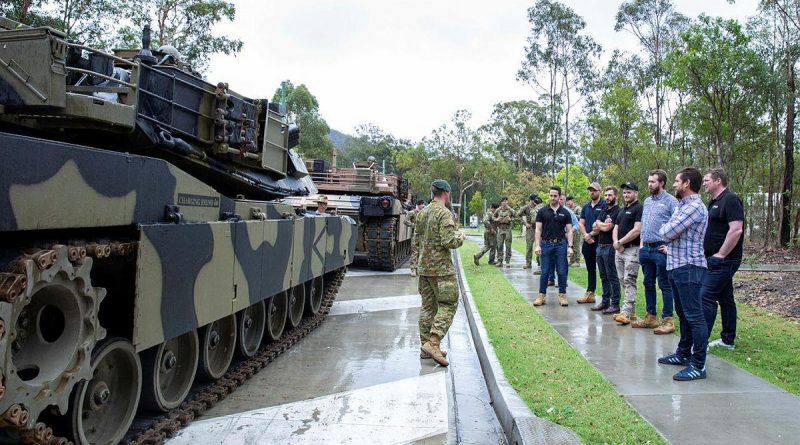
{"type": "Point", "coordinates": [338, 138]}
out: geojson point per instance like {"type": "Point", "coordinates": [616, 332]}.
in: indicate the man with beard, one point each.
{"type": "Point", "coordinates": [656, 211]}
{"type": "Point", "coordinates": [553, 245]}
{"type": "Point", "coordinates": [606, 258]}
{"type": "Point", "coordinates": [626, 245]}
{"type": "Point", "coordinates": [723, 251]}
{"type": "Point", "coordinates": [686, 265]}
{"type": "Point", "coordinates": [589, 213]}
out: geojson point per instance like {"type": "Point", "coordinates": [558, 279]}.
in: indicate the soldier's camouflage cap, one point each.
{"type": "Point", "coordinates": [441, 184]}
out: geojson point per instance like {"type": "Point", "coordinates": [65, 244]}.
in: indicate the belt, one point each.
{"type": "Point", "coordinates": [655, 244]}
{"type": "Point", "coordinates": [605, 245]}
{"type": "Point", "coordinates": [553, 241]}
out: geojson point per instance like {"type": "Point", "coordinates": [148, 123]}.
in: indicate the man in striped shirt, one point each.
{"type": "Point", "coordinates": [686, 266]}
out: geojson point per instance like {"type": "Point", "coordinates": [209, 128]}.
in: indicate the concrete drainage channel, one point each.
{"type": "Point", "coordinates": [520, 425]}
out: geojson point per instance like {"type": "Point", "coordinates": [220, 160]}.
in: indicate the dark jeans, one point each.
{"type": "Point", "coordinates": [590, 258]}
{"type": "Point", "coordinates": [607, 264]}
{"type": "Point", "coordinates": [718, 289]}
{"type": "Point", "coordinates": [654, 265]}
{"type": "Point", "coordinates": [554, 256]}
{"type": "Point", "coordinates": [686, 283]}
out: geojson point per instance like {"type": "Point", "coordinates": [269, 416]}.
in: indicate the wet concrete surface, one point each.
{"type": "Point", "coordinates": [730, 406]}
{"type": "Point", "coordinates": [358, 379]}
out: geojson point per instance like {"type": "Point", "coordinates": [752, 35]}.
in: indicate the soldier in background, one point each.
{"type": "Point", "coordinates": [436, 237]}
{"type": "Point", "coordinates": [489, 236]}
{"type": "Point", "coordinates": [322, 204]}
{"type": "Point", "coordinates": [410, 221]}
{"type": "Point", "coordinates": [503, 217]}
{"type": "Point", "coordinates": [576, 242]}
{"type": "Point", "coordinates": [528, 216]}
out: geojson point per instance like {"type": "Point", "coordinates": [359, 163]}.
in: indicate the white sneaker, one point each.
{"type": "Point", "coordinates": [719, 343]}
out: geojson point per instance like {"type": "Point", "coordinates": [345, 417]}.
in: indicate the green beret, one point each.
{"type": "Point", "coordinates": [441, 184]}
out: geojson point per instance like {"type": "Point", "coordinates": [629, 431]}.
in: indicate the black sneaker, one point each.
{"type": "Point", "coordinates": [691, 372]}
{"type": "Point", "coordinates": [674, 359]}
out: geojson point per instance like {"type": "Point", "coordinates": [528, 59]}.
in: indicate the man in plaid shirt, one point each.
{"type": "Point", "coordinates": [686, 266]}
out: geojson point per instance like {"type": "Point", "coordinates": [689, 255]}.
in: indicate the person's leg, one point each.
{"type": "Point", "coordinates": [667, 291]}
{"type": "Point", "coordinates": [727, 304]}
{"type": "Point", "coordinates": [447, 300]}
{"type": "Point", "coordinates": [501, 235]}
{"type": "Point", "coordinates": [508, 246]}
{"type": "Point", "coordinates": [629, 275]}
{"type": "Point", "coordinates": [690, 283]}
{"type": "Point", "coordinates": [684, 349]}
{"type": "Point", "coordinates": [492, 248]}
{"type": "Point", "coordinates": [601, 268]}
{"type": "Point", "coordinates": [590, 258]}
{"type": "Point", "coordinates": [611, 274]}
{"type": "Point", "coordinates": [649, 271]}
{"type": "Point", "coordinates": [561, 266]}
{"type": "Point", "coordinates": [529, 237]}
{"type": "Point", "coordinates": [547, 263]}
{"type": "Point", "coordinates": [428, 309]}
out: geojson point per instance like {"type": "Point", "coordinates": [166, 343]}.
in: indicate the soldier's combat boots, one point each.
{"type": "Point", "coordinates": [424, 355]}
{"type": "Point", "coordinates": [649, 321]}
{"type": "Point", "coordinates": [562, 300]}
{"type": "Point", "coordinates": [527, 266]}
{"type": "Point", "coordinates": [499, 264]}
{"type": "Point", "coordinates": [539, 300]}
{"type": "Point", "coordinates": [588, 297]}
{"type": "Point", "coordinates": [475, 258]}
{"type": "Point", "coordinates": [431, 347]}
{"type": "Point", "coordinates": [666, 327]}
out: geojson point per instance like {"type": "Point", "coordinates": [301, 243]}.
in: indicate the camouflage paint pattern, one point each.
{"type": "Point", "coordinates": [503, 219]}
{"type": "Point", "coordinates": [527, 214]}
{"type": "Point", "coordinates": [436, 237]}
{"type": "Point", "coordinates": [489, 236]}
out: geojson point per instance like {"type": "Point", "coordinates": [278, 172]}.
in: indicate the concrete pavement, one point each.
{"type": "Point", "coordinates": [358, 379]}
{"type": "Point", "coordinates": [731, 406]}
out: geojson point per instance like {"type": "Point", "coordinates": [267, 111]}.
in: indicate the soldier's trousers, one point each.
{"type": "Point", "coordinates": [504, 241]}
{"type": "Point", "coordinates": [489, 245]}
{"type": "Point", "coordinates": [439, 304]}
{"type": "Point", "coordinates": [413, 259]}
{"type": "Point", "coordinates": [530, 236]}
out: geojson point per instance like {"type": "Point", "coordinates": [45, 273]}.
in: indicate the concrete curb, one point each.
{"type": "Point", "coordinates": [520, 425]}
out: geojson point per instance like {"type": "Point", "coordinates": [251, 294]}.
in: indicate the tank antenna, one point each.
{"type": "Point", "coordinates": [145, 55]}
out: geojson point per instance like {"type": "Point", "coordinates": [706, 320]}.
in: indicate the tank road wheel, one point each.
{"type": "Point", "coordinates": [277, 306]}
{"type": "Point", "coordinates": [217, 344]}
{"type": "Point", "coordinates": [250, 323]}
{"type": "Point", "coordinates": [102, 409]}
{"type": "Point", "coordinates": [50, 317]}
{"type": "Point", "coordinates": [314, 294]}
{"type": "Point", "coordinates": [297, 304]}
{"type": "Point", "coordinates": [168, 371]}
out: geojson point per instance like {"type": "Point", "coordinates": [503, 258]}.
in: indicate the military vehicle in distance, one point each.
{"type": "Point", "coordinates": [142, 238]}
{"type": "Point", "coordinates": [377, 201]}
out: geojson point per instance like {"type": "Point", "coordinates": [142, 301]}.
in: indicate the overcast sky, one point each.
{"type": "Point", "coordinates": [405, 66]}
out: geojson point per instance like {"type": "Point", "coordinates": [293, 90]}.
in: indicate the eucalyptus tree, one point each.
{"type": "Point", "coordinates": [518, 130]}
{"type": "Point", "coordinates": [302, 108]}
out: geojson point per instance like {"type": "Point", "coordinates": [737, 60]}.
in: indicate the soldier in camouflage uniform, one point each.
{"type": "Point", "coordinates": [503, 218]}
{"type": "Point", "coordinates": [528, 216]}
{"type": "Point", "coordinates": [410, 221]}
{"type": "Point", "coordinates": [435, 238]}
{"type": "Point", "coordinates": [489, 236]}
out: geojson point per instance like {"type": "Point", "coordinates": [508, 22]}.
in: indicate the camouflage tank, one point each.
{"type": "Point", "coordinates": [143, 243]}
{"type": "Point", "coordinates": [379, 202]}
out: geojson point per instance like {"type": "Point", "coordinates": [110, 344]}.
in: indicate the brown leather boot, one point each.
{"type": "Point", "coordinates": [624, 318]}
{"type": "Point", "coordinates": [500, 264]}
{"type": "Point", "coordinates": [527, 266]}
{"type": "Point", "coordinates": [588, 297]}
{"type": "Point", "coordinates": [424, 355]}
{"type": "Point", "coordinates": [562, 300]}
{"type": "Point", "coordinates": [649, 321]}
{"type": "Point", "coordinates": [431, 347]}
{"type": "Point", "coordinates": [539, 300]}
{"type": "Point", "coordinates": [666, 327]}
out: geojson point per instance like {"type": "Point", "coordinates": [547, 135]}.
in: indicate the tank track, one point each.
{"type": "Point", "coordinates": [203, 398]}
{"type": "Point", "coordinates": [383, 251]}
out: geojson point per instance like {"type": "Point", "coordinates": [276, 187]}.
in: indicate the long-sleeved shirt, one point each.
{"type": "Point", "coordinates": [656, 211]}
{"type": "Point", "coordinates": [435, 237]}
{"type": "Point", "coordinates": [685, 232]}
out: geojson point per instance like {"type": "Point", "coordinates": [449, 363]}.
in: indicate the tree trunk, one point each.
{"type": "Point", "coordinates": [788, 153]}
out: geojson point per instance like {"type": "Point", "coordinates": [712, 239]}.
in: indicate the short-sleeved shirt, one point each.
{"type": "Point", "coordinates": [589, 214]}
{"type": "Point", "coordinates": [722, 210]}
{"type": "Point", "coordinates": [626, 219]}
{"type": "Point", "coordinates": [554, 222]}
{"type": "Point", "coordinates": [608, 212]}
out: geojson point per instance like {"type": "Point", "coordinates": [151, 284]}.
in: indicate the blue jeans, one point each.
{"type": "Point", "coordinates": [718, 289]}
{"type": "Point", "coordinates": [554, 256]}
{"type": "Point", "coordinates": [590, 258]}
{"type": "Point", "coordinates": [686, 283]}
{"type": "Point", "coordinates": [607, 263]}
{"type": "Point", "coordinates": [654, 264]}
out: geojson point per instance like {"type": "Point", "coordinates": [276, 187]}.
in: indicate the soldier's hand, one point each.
{"type": "Point", "coordinates": [461, 236]}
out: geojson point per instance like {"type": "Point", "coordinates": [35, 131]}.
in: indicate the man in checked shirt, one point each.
{"type": "Point", "coordinates": [686, 266]}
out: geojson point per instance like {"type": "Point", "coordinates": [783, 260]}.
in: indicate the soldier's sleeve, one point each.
{"type": "Point", "coordinates": [447, 232]}
{"type": "Point", "coordinates": [411, 217]}
{"type": "Point", "coordinates": [522, 212]}
{"type": "Point", "coordinates": [495, 216]}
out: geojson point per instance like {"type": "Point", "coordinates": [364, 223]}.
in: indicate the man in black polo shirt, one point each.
{"type": "Point", "coordinates": [553, 245]}
{"type": "Point", "coordinates": [723, 251]}
{"type": "Point", "coordinates": [626, 244]}
{"type": "Point", "coordinates": [606, 258]}
{"type": "Point", "coordinates": [589, 213]}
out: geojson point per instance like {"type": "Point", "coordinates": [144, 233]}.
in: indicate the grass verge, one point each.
{"type": "Point", "coordinates": [767, 344]}
{"type": "Point", "coordinates": [553, 379]}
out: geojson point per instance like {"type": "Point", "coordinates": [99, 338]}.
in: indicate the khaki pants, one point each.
{"type": "Point", "coordinates": [627, 263]}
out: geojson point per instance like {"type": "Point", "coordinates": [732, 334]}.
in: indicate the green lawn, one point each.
{"type": "Point", "coordinates": [768, 345]}
{"type": "Point", "coordinates": [554, 380]}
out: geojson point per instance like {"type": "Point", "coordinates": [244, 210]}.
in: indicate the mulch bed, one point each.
{"type": "Point", "coordinates": [777, 292]}
{"type": "Point", "coordinates": [772, 255]}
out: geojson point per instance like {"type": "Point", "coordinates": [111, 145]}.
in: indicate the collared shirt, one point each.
{"type": "Point", "coordinates": [684, 233]}
{"type": "Point", "coordinates": [657, 210]}
{"type": "Point", "coordinates": [590, 213]}
{"type": "Point", "coordinates": [722, 210]}
{"type": "Point", "coordinates": [627, 219]}
{"type": "Point", "coordinates": [610, 212]}
{"type": "Point", "coordinates": [574, 218]}
{"type": "Point", "coordinates": [554, 222]}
